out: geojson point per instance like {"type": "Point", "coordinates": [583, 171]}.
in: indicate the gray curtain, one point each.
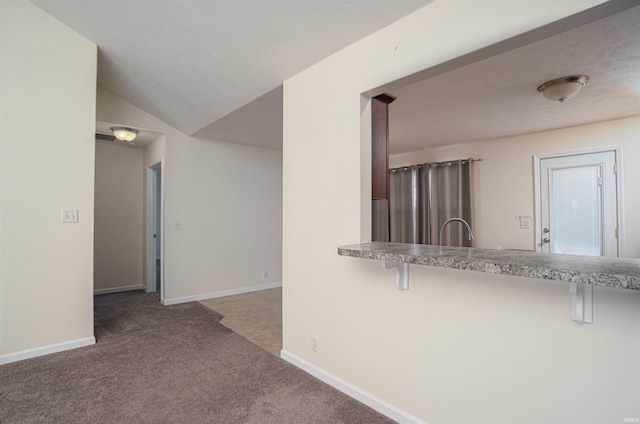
{"type": "Point", "coordinates": [401, 211]}
{"type": "Point", "coordinates": [423, 228]}
{"type": "Point", "coordinates": [450, 197]}
{"type": "Point", "coordinates": [442, 191]}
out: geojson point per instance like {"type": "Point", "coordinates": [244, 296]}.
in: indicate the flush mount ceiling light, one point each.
{"type": "Point", "coordinates": [564, 88]}
{"type": "Point", "coordinates": [124, 133]}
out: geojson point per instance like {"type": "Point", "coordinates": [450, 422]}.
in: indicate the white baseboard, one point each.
{"type": "Point", "coordinates": [119, 289]}
{"type": "Point", "coordinates": [46, 350]}
{"type": "Point", "coordinates": [222, 293]}
{"type": "Point", "coordinates": [358, 394]}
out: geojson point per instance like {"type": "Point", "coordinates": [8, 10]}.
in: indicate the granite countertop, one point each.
{"type": "Point", "coordinates": [610, 272]}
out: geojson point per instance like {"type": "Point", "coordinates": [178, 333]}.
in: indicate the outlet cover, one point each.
{"type": "Point", "coordinates": [524, 221]}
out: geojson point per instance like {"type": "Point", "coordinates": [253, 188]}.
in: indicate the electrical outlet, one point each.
{"type": "Point", "coordinates": [176, 225]}
{"type": "Point", "coordinates": [314, 343]}
{"type": "Point", "coordinates": [265, 274]}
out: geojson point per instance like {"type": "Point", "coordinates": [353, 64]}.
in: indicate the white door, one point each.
{"type": "Point", "coordinates": [579, 204]}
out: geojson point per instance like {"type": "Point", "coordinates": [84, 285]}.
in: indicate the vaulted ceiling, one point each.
{"type": "Point", "coordinates": [192, 63]}
{"type": "Point", "coordinates": [214, 68]}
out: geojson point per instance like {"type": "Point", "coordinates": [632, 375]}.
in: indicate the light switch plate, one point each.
{"type": "Point", "coordinates": [70, 215]}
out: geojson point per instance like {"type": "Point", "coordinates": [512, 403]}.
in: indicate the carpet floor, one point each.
{"type": "Point", "coordinates": [168, 364]}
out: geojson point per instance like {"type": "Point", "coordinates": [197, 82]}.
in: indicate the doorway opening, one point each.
{"type": "Point", "coordinates": [154, 219]}
{"type": "Point", "coordinates": [578, 202]}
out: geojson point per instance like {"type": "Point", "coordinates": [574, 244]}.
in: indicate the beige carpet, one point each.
{"type": "Point", "coordinates": [168, 364]}
{"type": "Point", "coordinates": [256, 316]}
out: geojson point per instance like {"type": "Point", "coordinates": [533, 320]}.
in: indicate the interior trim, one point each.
{"type": "Point", "coordinates": [46, 350]}
{"type": "Point", "coordinates": [118, 289]}
{"type": "Point", "coordinates": [221, 293]}
{"type": "Point", "coordinates": [350, 390]}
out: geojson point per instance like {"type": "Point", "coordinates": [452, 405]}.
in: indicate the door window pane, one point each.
{"type": "Point", "coordinates": [576, 211]}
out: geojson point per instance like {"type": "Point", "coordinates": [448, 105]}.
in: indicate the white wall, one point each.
{"type": "Point", "coordinates": [119, 230]}
{"type": "Point", "coordinates": [48, 77]}
{"type": "Point", "coordinates": [504, 180]}
{"type": "Point", "coordinates": [458, 346]}
{"type": "Point", "coordinates": [228, 199]}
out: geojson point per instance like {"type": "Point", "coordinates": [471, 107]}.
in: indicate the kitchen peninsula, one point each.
{"type": "Point", "coordinates": [620, 273]}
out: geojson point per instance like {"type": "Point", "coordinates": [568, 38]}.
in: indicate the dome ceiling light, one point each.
{"type": "Point", "coordinates": [124, 133]}
{"type": "Point", "coordinates": [564, 88]}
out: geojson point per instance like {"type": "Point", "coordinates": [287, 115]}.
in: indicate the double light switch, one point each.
{"type": "Point", "coordinates": [70, 215]}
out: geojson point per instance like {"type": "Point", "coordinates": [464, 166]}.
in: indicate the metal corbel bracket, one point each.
{"type": "Point", "coordinates": [403, 273]}
{"type": "Point", "coordinates": [581, 302]}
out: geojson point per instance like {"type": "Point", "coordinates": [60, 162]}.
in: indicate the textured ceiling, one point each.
{"type": "Point", "coordinates": [497, 97]}
{"type": "Point", "coordinates": [192, 62]}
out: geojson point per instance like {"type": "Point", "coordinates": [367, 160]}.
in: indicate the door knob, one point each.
{"type": "Point", "coordinates": [545, 240]}
{"type": "Point", "coordinates": [545, 230]}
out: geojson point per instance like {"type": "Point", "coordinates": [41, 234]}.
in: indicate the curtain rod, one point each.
{"type": "Point", "coordinates": [436, 164]}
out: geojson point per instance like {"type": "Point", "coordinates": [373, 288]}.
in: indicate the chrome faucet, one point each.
{"type": "Point", "coordinates": [466, 224]}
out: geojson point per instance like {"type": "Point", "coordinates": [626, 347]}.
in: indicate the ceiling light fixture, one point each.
{"type": "Point", "coordinates": [564, 88]}
{"type": "Point", "coordinates": [124, 133]}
